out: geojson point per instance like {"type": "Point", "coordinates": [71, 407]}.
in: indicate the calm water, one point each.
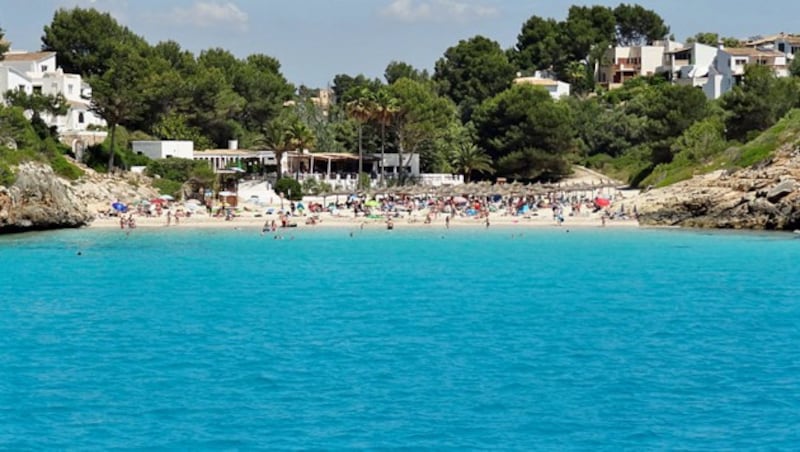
{"type": "Point", "coordinates": [592, 339]}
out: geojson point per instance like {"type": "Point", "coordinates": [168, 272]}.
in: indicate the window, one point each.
{"type": "Point", "coordinates": [37, 89]}
{"type": "Point", "coordinates": [80, 118]}
{"type": "Point", "coordinates": [44, 68]}
{"type": "Point", "coordinates": [69, 89]}
{"type": "Point", "coordinates": [782, 47]}
{"type": "Point", "coordinates": [21, 88]}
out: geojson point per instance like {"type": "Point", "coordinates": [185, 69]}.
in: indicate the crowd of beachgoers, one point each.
{"type": "Point", "coordinates": [388, 211]}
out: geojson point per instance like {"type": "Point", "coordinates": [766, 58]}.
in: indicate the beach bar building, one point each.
{"type": "Point", "coordinates": [164, 149]}
{"type": "Point", "coordinates": [251, 162]}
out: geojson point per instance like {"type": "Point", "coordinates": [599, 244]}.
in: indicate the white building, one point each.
{"type": "Point", "coordinates": [164, 149]}
{"type": "Point", "coordinates": [690, 65]}
{"type": "Point", "coordinates": [556, 88]}
{"type": "Point", "coordinates": [392, 165]}
{"type": "Point", "coordinates": [36, 72]}
{"type": "Point", "coordinates": [621, 64]}
{"type": "Point", "coordinates": [788, 44]}
{"type": "Point", "coordinates": [728, 68]}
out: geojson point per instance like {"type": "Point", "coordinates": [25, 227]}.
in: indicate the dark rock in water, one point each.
{"type": "Point", "coordinates": [39, 200]}
{"type": "Point", "coordinates": [781, 190]}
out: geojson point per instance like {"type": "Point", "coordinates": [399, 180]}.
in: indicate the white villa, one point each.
{"type": "Point", "coordinates": [714, 69]}
{"type": "Point", "coordinates": [555, 87]}
{"type": "Point", "coordinates": [625, 63]}
{"type": "Point", "coordinates": [36, 72]}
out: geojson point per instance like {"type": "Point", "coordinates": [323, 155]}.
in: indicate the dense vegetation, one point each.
{"type": "Point", "coordinates": [463, 117]}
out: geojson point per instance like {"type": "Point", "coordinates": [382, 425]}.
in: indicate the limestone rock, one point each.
{"type": "Point", "coordinates": [779, 191]}
{"type": "Point", "coordinates": [39, 200]}
{"type": "Point", "coordinates": [761, 197]}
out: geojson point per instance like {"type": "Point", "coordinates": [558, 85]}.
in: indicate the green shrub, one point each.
{"type": "Point", "coordinates": [65, 168]}
{"type": "Point", "coordinates": [168, 187]}
{"type": "Point", "coordinates": [7, 176]}
{"type": "Point", "coordinates": [290, 188]}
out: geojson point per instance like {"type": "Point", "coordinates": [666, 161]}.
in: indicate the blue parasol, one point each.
{"type": "Point", "coordinates": [119, 207]}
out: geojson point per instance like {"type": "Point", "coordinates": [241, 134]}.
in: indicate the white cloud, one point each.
{"type": "Point", "coordinates": [210, 14]}
{"type": "Point", "coordinates": [437, 10]}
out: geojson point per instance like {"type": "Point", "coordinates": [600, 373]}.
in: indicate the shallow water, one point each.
{"type": "Point", "coordinates": [601, 339]}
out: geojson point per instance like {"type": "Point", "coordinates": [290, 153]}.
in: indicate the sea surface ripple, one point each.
{"type": "Point", "coordinates": [425, 339]}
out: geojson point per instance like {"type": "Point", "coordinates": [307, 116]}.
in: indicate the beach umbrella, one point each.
{"type": "Point", "coordinates": [602, 202]}
{"type": "Point", "coordinates": [166, 198]}
{"type": "Point", "coordinates": [371, 203]}
{"type": "Point", "coordinates": [460, 200]}
{"type": "Point", "coordinates": [119, 207]}
{"type": "Point", "coordinates": [157, 201]}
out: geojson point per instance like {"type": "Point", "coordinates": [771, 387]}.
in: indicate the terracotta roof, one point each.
{"type": "Point", "coordinates": [27, 56]}
{"type": "Point", "coordinates": [790, 38]}
{"type": "Point", "coordinates": [749, 51]}
{"type": "Point", "coordinates": [536, 81]}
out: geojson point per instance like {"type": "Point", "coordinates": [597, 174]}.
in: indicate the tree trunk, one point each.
{"type": "Point", "coordinates": [400, 162]}
{"type": "Point", "coordinates": [113, 144]}
{"type": "Point", "coordinates": [278, 168]}
{"type": "Point", "coordinates": [360, 157]}
{"type": "Point", "coordinates": [383, 153]}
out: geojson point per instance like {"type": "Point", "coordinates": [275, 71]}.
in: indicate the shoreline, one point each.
{"type": "Point", "coordinates": [331, 222]}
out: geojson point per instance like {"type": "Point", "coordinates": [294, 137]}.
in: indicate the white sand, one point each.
{"type": "Point", "coordinates": [249, 220]}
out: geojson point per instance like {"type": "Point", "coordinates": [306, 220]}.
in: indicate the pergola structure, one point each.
{"type": "Point", "coordinates": [327, 163]}
{"type": "Point", "coordinates": [222, 159]}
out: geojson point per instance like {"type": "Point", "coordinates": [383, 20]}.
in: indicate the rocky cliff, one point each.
{"type": "Point", "coordinates": [765, 196]}
{"type": "Point", "coordinates": [40, 200]}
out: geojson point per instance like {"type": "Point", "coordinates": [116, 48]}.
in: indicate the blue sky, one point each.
{"type": "Point", "coordinates": [317, 39]}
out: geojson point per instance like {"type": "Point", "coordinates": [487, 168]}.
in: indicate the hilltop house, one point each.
{"type": "Point", "coordinates": [620, 64]}
{"type": "Point", "coordinates": [36, 72]}
{"type": "Point", "coordinates": [715, 70]}
{"type": "Point", "coordinates": [555, 87]}
{"type": "Point", "coordinates": [787, 44]}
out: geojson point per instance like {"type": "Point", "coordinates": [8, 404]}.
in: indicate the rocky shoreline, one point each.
{"type": "Point", "coordinates": [40, 200]}
{"type": "Point", "coordinates": [763, 197]}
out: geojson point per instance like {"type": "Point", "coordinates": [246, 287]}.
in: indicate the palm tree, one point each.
{"type": "Point", "coordinates": [276, 137]}
{"type": "Point", "coordinates": [468, 158]}
{"type": "Point", "coordinates": [575, 73]}
{"type": "Point", "coordinates": [360, 109]}
{"type": "Point", "coordinates": [299, 136]}
{"type": "Point", "coordinates": [385, 107]}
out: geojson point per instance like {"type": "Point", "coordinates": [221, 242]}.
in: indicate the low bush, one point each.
{"type": "Point", "coordinates": [290, 188]}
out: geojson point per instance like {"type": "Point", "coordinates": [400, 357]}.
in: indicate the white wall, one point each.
{"type": "Point", "coordinates": [652, 59]}
{"type": "Point", "coordinates": [392, 165]}
{"type": "Point", "coordinates": [163, 149]}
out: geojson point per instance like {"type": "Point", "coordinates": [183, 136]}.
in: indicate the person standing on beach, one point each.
{"type": "Point", "coordinates": [169, 217]}
{"type": "Point", "coordinates": [447, 222]}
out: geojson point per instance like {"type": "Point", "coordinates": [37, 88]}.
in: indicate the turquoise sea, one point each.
{"type": "Point", "coordinates": [593, 339]}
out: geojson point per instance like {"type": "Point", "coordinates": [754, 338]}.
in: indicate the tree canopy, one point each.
{"type": "Point", "coordinates": [472, 71]}
{"type": "Point", "coordinates": [85, 40]}
{"type": "Point", "coordinates": [3, 44]}
{"type": "Point", "coordinates": [523, 124]}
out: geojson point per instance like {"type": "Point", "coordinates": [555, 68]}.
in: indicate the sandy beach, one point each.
{"type": "Point", "coordinates": [255, 221]}
{"type": "Point", "coordinates": [254, 215]}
